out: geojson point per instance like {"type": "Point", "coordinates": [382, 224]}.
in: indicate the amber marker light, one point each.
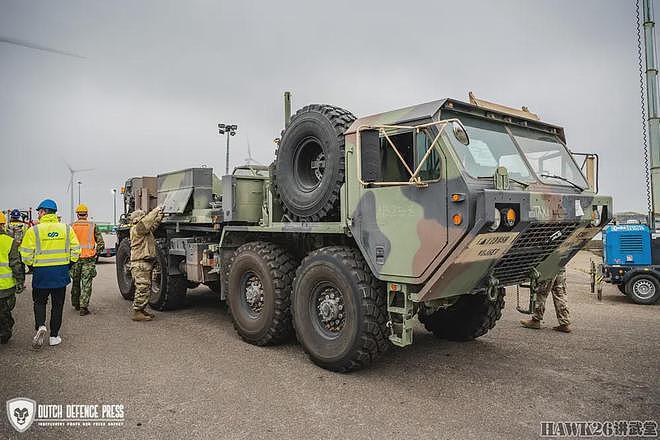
{"type": "Point", "coordinates": [510, 217]}
{"type": "Point", "coordinates": [457, 219]}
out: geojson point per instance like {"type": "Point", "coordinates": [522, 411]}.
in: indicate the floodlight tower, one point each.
{"type": "Point", "coordinates": [229, 130]}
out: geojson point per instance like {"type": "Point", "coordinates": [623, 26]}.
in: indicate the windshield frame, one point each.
{"type": "Point", "coordinates": [479, 124]}
{"type": "Point", "coordinates": [583, 184]}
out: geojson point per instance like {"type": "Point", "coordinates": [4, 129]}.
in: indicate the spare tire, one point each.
{"type": "Point", "coordinates": [309, 163]}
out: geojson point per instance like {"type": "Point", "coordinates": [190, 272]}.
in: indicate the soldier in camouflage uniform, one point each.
{"type": "Point", "coordinates": [558, 287]}
{"type": "Point", "coordinates": [16, 227]}
{"type": "Point", "coordinates": [143, 254]}
{"type": "Point", "coordinates": [12, 278]}
{"type": "Point", "coordinates": [84, 270]}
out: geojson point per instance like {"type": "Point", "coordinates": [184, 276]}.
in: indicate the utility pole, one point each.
{"type": "Point", "coordinates": [79, 183]}
{"type": "Point", "coordinates": [229, 130]}
{"type": "Point", "coordinates": [114, 207]}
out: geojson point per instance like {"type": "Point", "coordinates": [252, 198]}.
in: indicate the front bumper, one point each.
{"type": "Point", "coordinates": [550, 230]}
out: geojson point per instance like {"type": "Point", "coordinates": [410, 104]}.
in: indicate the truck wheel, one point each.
{"type": "Point", "coordinates": [309, 163]}
{"type": "Point", "coordinates": [468, 318]}
{"type": "Point", "coordinates": [259, 295]}
{"type": "Point", "coordinates": [339, 310]}
{"type": "Point", "coordinates": [168, 292]}
{"type": "Point", "coordinates": [643, 289]}
{"type": "Point", "coordinates": [123, 266]}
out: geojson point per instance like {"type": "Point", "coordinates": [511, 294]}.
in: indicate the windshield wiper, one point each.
{"type": "Point", "coordinates": [554, 176]}
{"type": "Point", "coordinates": [519, 182]}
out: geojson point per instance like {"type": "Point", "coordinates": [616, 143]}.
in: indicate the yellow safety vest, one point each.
{"type": "Point", "coordinates": [7, 280]}
{"type": "Point", "coordinates": [85, 233]}
{"type": "Point", "coordinates": [49, 243]}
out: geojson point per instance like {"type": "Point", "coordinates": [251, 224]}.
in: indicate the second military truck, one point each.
{"type": "Point", "coordinates": [361, 224]}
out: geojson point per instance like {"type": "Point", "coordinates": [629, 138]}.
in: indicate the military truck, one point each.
{"type": "Point", "coordinates": [361, 224]}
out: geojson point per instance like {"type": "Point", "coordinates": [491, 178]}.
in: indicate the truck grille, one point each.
{"type": "Point", "coordinates": [531, 248]}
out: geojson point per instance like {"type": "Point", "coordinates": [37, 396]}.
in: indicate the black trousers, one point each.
{"type": "Point", "coordinates": [40, 298]}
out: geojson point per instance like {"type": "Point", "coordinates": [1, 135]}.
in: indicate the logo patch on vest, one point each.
{"type": "Point", "coordinates": [53, 234]}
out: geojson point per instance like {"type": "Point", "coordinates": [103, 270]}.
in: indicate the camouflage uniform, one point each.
{"type": "Point", "coordinates": [143, 253]}
{"type": "Point", "coordinates": [82, 274]}
{"type": "Point", "coordinates": [8, 296]}
{"type": "Point", "coordinates": [558, 287]}
{"type": "Point", "coordinates": [16, 230]}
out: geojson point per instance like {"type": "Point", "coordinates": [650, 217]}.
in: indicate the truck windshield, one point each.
{"type": "Point", "coordinates": [549, 158]}
{"type": "Point", "coordinates": [490, 146]}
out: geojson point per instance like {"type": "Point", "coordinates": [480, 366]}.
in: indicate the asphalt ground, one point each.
{"type": "Point", "coordinates": [188, 375]}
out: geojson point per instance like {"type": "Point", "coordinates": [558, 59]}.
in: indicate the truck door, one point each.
{"type": "Point", "coordinates": [401, 227]}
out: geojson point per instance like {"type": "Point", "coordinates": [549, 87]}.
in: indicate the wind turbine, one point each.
{"type": "Point", "coordinates": [250, 160]}
{"type": "Point", "coordinates": [69, 189]}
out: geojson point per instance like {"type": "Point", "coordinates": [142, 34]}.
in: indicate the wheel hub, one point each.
{"type": "Point", "coordinates": [644, 289]}
{"type": "Point", "coordinates": [318, 166]}
{"type": "Point", "coordinates": [254, 294]}
{"type": "Point", "coordinates": [330, 309]}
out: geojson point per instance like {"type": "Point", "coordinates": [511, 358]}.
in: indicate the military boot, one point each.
{"type": "Point", "coordinates": [138, 315]}
{"type": "Point", "coordinates": [531, 323]}
{"type": "Point", "coordinates": [564, 328]}
{"type": "Point", "coordinates": [84, 311]}
{"type": "Point", "coordinates": [151, 315]}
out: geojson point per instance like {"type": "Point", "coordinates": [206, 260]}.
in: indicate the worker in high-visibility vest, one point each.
{"type": "Point", "coordinates": [12, 277]}
{"type": "Point", "coordinates": [84, 270]}
{"type": "Point", "coordinates": [16, 227]}
{"type": "Point", "coordinates": [49, 248]}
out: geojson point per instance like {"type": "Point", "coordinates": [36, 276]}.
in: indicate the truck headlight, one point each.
{"type": "Point", "coordinates": [497, 220]}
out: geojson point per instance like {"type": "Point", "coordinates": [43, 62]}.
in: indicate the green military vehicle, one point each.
{"type": "Point", "coordinates": [361, 224]}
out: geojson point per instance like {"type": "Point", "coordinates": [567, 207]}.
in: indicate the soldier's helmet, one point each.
{"type": "Point", "coordinates": [137, 215]}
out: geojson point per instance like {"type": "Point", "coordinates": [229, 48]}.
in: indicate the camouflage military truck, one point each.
{"type": "Point", "coordinates": [361, 224]}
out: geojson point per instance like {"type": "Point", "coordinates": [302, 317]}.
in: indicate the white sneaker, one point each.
{"type": "Point", "coordinates": [39, 337]}
{"type": "Point", "coordinates": [57, 340]}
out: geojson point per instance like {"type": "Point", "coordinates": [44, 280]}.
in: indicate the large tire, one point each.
{"type": "Point", "coordinates": [309, 163]}
{"type": "Point", "coordinates": [643, 289]}
{"type": "Point", "coordinates": [339, 310]}
{"type": "Point", "coordinates": [468, 318]}
{"type": "Point", "coordinates": [259, 295]}
{"type": "Point", "coordinates": [123, 266]}
{"type": "Point", "coordinates": [168, 292]}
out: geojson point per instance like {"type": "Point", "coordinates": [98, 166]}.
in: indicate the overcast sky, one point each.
{"type": "Point", "coordinates": [159, 75]}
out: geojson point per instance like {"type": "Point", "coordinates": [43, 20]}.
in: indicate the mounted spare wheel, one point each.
{"type": "Point", "coordinates": [309, 163]}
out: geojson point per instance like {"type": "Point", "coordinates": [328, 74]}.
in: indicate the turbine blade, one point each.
{"type": "Point", "coordinates": [17, 42]}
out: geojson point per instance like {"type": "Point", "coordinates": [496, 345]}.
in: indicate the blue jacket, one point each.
{"type": "Point", "coordinates": [50, 277]}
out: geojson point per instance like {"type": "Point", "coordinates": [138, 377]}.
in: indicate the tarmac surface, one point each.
{"type": "Point", "coordinates": [188, 375]}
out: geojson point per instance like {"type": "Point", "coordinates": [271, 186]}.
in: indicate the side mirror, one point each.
{"type": "Point", "coordinates": [370, 159]}
{"type": "Point", "coordinates": [459, 133]}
